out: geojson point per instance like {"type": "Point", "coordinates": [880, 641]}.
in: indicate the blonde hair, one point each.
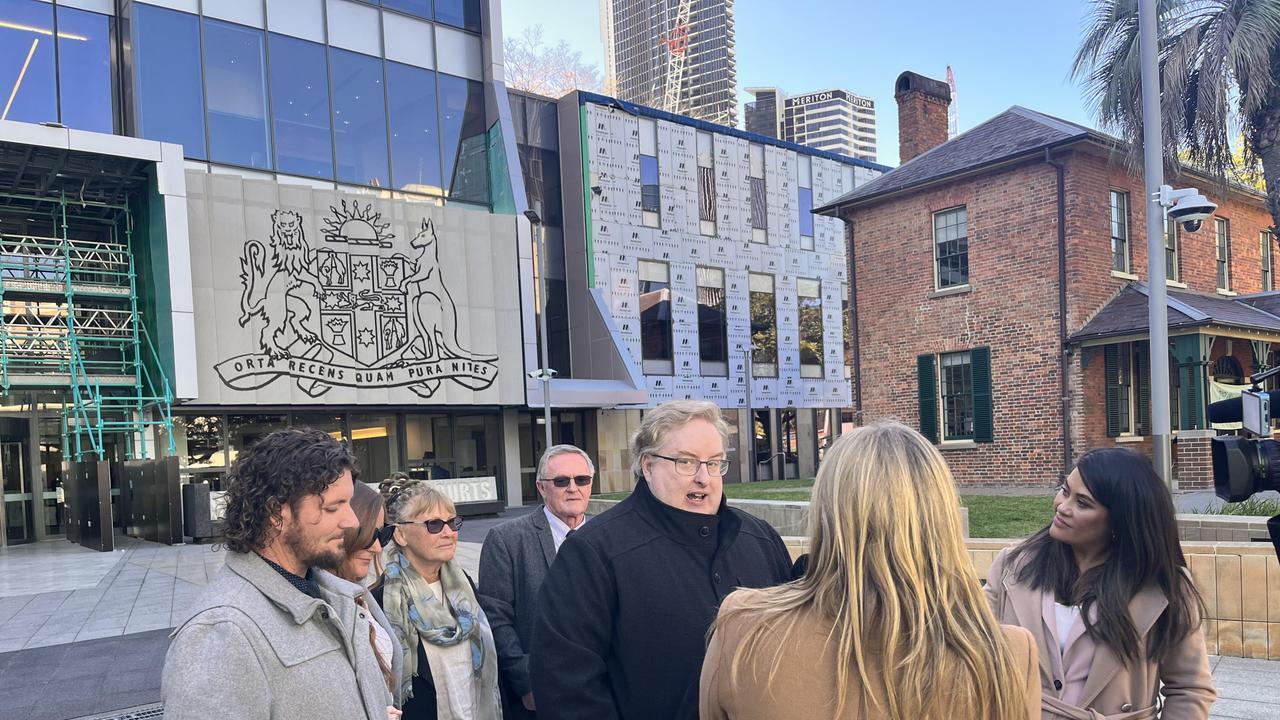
{"type": "Point", "coordinates": [888, 566]}
{"type": "Point", "coordinates": [420, 498]}
{"type": "Point", "coordinates": [659, 422]}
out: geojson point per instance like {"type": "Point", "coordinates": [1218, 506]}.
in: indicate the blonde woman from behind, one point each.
{"type": "Point", "coordinates": [889, 621]}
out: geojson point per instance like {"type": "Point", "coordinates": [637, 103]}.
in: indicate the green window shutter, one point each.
{"type": "Point", "coordinates": [927, 391]}
{"type": "Point", "coordinates": [1111, 363]}
{"type": "Point", "coordinates": [983, 419]}
{"type": "Point", "coordinates": [1143, 381]}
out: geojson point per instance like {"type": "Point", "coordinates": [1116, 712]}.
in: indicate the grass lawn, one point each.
{"type": "Point", "coordinates": [990, 516]}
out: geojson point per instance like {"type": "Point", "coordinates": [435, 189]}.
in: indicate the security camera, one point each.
{"type": "Point", "coordinates": [1188, 207]}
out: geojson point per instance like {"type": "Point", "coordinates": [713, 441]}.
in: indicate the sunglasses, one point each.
{"type": "Point", "coordinates": [562, 481]}
{"type": "Point", "coordinates": [382, 536]}
{"type": "Point", "coordinates": [435, 525]}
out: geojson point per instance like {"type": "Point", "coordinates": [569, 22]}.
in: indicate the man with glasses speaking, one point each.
{"type": "Point", "coordinates": [624, 611]}
{"type": "Point", "coordinates": [515, 558]}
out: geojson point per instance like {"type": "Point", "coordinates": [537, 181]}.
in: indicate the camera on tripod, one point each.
{"type": "Point", "coordinates": [1243, 465]}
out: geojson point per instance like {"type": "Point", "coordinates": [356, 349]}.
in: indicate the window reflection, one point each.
{"type": "Point", "coordinates": [244, 431]}
{"type": "Point", "coordinates": [462, 136]}
{"type": "Point", "coordinates": [167, 67]}
{"type": "Point", "coordinates": [458, 13]}
{"type": "Point", "coordinates": [27, 88]}
{"type": "Point", "coordinates": [376, 446]}
{"type": "Point", "coordinates": [359, 118]}
{"type": "Point", "coordinates": [236, 88]}
{"type": "Point", "coordinates": [300, 107]}
{"type": "Point", "coordinates": [421, 8]}
{"type": "Point", "coordinates": [199, 441]}
{"type": "Point", "coordinates": [84, 70]}
{"type": "Point", "coordinates": [415, 133]}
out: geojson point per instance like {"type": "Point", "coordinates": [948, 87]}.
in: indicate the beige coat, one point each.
{"type": "Point", "coordinates": [1113, 691]}
{"type": "Point", "coordinates": [805, 683]}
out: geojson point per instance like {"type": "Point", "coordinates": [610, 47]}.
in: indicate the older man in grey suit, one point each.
{"type": "Point", "coordinates": [515, 558]}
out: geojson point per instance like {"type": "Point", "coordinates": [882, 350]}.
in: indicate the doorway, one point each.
{"type": "Point", "coordinates": [19, 494]}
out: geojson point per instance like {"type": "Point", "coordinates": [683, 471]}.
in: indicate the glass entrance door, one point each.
{"type": "Point", "coordinates": [19, 500]}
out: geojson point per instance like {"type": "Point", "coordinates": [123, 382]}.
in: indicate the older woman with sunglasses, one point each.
{"type": "Point", "coordinates": [450, 664]}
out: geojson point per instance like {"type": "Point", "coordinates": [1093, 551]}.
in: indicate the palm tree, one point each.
{"type": "Point", "coordinates": [1219, 66]}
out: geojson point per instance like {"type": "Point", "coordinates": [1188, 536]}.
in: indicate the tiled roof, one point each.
{"type": "Point", "coordinates": [1016, 131]}
{"type": "Point", "coordinates": [1126, 314]}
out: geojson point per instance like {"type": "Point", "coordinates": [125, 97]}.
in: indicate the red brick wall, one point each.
{"type": "Point", "coordinates": [922, 123]}
{"type": "Point", "coordinates": [1013, 301]}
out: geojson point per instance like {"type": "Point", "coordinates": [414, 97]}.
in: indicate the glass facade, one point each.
{"type": "Point", "coordinates": [415, 129]}
{"type": "Point", "coordinates": [273, 101]}
{"type": "Point", "coordinates": [84, 70]}
{"type": "Point", "coordinates": [27, 62]}
{"type": "Point", "coordinates": [168, 78]}
{"type": "Point", "coordinates": [300, 107]}
{"type": "Point", "coordinates": [462, 132]}
{"type": "Point", "coordinates": [359, 118]}
{"type": "Point", "coordinates": [236, 85]}
{"type": "Point", "coordinates": [71, 83]}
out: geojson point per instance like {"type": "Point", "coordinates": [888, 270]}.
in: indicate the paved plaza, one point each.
{"type": "Point", "coordinates": [83, 634]}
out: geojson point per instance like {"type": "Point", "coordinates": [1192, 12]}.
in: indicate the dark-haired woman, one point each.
{"type": "Point", "coordinates": [1105, 591]}
{"type": "Point", "coordinates": [361, 548]}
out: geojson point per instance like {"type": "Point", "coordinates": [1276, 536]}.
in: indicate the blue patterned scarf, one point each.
{"type": "Point", "coordinates": [418, 616]}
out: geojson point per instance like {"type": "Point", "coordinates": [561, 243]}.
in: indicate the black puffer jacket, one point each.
{"type": "Point", "coordinates": [625, 608]}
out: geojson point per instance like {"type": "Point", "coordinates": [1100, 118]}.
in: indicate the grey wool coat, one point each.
{"type": "Point", "coordinates": [513, 563]}
{"type": "Point", "coordinates": [257, 648]}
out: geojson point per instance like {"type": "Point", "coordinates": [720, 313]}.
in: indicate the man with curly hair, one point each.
{"type": "Point", "coordinates": [273, 635]}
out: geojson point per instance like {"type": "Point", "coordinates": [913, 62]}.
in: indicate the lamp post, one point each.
{"type": "Point", "coordinates": [544, 372]}
{"type": "Point", "coordinates": [1153, 174]}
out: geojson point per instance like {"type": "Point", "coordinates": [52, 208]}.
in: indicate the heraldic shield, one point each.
{"type": "Point", "coordinates": [354, 312]}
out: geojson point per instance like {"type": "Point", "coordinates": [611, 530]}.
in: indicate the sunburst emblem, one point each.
{"type": "Point", "coordinates": [357, 226]}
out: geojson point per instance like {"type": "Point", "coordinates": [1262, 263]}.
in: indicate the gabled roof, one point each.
{"type": "Point", "coordinates": [1013, 133]}
{"type": "Point", "coordinates": [1126, 314]}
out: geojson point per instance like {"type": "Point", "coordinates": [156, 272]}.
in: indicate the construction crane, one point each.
{"type": "Point", "coordinates": [677, 44]}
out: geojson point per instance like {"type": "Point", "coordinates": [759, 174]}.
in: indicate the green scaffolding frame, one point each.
{"type": "Point", "coordinates": [82, 333]}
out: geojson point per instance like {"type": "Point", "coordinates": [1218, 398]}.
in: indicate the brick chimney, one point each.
{"type": "Point", "coordinates": [922, 114]}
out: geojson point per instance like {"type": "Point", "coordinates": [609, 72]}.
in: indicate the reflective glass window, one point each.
{"type": "Point", "coordinates": [655, 317]}
{"type": "Point", "coordinates": [237, 92]}
{"type": "Point", "coordinates": [421, 8]}
{"type": "Point", "coordinates": [84, 70]}
{"type": "Point", "coordinates": [166, 62]}
{"type": "Point", "coordinates": [415, 129]}
{"type": "Point", "coordinates": [462, 137]}
{"type": "Point", "coordinates": [764, 326]}
{"type": "Point", "coordinates": [300, 107]}
{"type": "Point", "coordinates": [458, 13]}
{"type": "Point", "coordinates": [27, 87]}
{"type": "Point", "coordinates": [359, 118]}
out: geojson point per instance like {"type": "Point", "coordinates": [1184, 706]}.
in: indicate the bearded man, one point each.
{"type": "Point", "coordinates": [272, 635]}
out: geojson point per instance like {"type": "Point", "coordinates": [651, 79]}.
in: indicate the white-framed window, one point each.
{"type": "Point", "coordinates": [1119, 231]}
{"type": "Point", "coordinates": [764, 325]}
{"type": "Point", "coordinates": [1223, 254]}
{"type": "Point", "coordinates": [951, 247]}
{"type": "Point", "coordinates": [1172, 268]}
{"type": "Point", "coordinates": [804, 209]}
{"type": "Point", "coordinates": [1267, 243]}
{"type": "Point", "coordinates": [655, 317]}
{"type": "Point", "coordinates": [809, 313]}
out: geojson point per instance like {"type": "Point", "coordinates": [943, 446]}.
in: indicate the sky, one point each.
{"type": "Point", "coordinates": [1003, 52]}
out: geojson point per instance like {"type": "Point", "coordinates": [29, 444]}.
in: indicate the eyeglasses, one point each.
{"type": "Point", "coordinates": [435, 525]}
{"type": "Point", "coordinates": [562, 481]}
{"type": "Point", "coordinates": [382, 536]}
{"type": "Point", "coordinates": [689, 466]}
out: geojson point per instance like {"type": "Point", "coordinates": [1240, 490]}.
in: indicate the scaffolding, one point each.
{"type": "Point", "coordinates": [72, 325]}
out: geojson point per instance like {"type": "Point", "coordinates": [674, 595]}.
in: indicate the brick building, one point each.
{"type": "Point", "coordinates": [998, 296]}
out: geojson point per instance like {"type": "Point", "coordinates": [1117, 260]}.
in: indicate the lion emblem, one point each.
{"type": "Point", "coordinates": [274, 288]}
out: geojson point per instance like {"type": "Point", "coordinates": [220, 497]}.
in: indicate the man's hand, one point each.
{"type": "Point", "coordinates": [528, 702]}
{"type": "Point", "coordinates": [393, 713]}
